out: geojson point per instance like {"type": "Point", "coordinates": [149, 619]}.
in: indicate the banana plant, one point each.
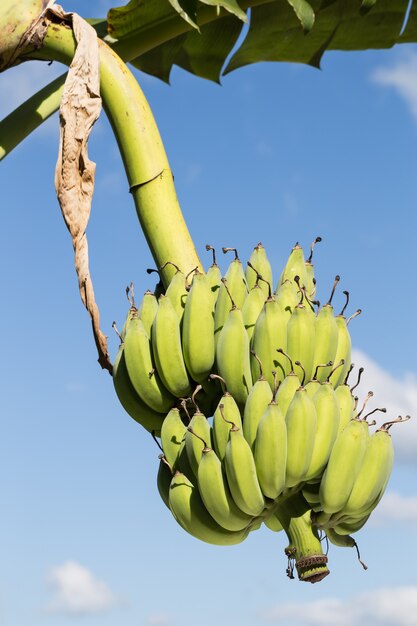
{"type": "Point", "coordinates": [154, 35]}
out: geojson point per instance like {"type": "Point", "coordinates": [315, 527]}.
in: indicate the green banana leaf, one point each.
{"type": "Point", "coordinates": [199, 35]}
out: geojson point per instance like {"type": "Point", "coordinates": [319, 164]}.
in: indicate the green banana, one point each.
{"type": "Point", "coordinates": [147, 310]}
{"type": "Point", "coordinates": [373, 474]}
{"type": "Point", "coordinates": [197, 437]}
{"type": "Point", "coordinates": [198, 329]}
{"type": "Point", "coordinates": [287, 297]}
{"type": "Point", "coordinates": [163, 480]}
{"type": "Point", "coordinates": [259, 265]}
{"type": "Point", "coordinates": [233, 357]}
{"type": "Point", "coordinates": [188, 509]}
{"type": "Point", "coordinates": [216, 495]}
{"type": "Point", "coordinates": [236, 291]}
{"type": "Point", "coordinates": [327, 335]}
{"type": "Point", "coordinates": [311, 281]}
{"type": "Point", "coordinates": [241, 474]}
{"type": "Point", "coordinates": [328, 417]}
{"type": "Point", "coordinates": [258, 400]}
{"type": "Point", "coordinates": [214, 277]}
{"type": "Point", "coordinates": [166, 343]}
{"type": "Point", "coordinates": [301, 330]}
{"type": "Point", "coordinates": [151, 420]}
{"type": "Point", "coordinates": [172, 436]}
{"type": "Point", "coordinates": [252, 307]}
{"type": "Point", "coordinates": [301, 420]}
{"type": "Point", "coordinates": [344, 346]}
{"type": "Point", "coordinates": [270, 452]}
{"type": "Point", "coordinates": [225, 416]}
{"type": "Point", "coordinates": [268, 335]}
{"type": "Point", "coordinates": [343, 466]}
{"type": "Point", "coordinates": [346, 404]}
{"type": "Point", "coordinates": [295, 266]}
{"type": "Point", "coordinates": [141, 367]}
{"type": "Point", "coordinates": [273, 523]}
{"type": "Point", "coordinates": [177, 290]}
{"type": "Point", "coordinates": [286, 391]}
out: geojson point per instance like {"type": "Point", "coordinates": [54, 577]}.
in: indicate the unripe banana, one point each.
{"type": "Point", "coordinates": [163, 481]}
{"type": "Point", "coordinates": [287, 297]}
{"type": "Point", "coordinates": [237, 288]}
{"type": "Point", "coordinates": [346, 403]}
{"type": "Point", "coordinates": [327, 335]}
{"type": "Point", "coordinates": [328, 417]}
{"type": "Point", "coordinates": [197, 437]}
{"type": "Point", "coordinates": [343, 466]}
{"type": "Point", "coordinates": [268, 335]}
{"type": "Point", "coordinates": [166, 343]}
{"type": "Point", "coordinates": [295, 266]}
{"type": "Point", "coordinates": [301, 340]}
{"type": "Point", "coordinates": [343, 352]}
{"type": "Point", "coordinates": [177, 292]}
{"type": "Point", "coordinates": [233, 357]}
{"type": "Point", "coordinates": [188, 509]}
{"type": "Point", "coordinates": [259, 397]}
{"type": "Point", "coordinates": [214, 277]}
{"type": "Point", "coordinates": [344, 541]}
{"type": "Point", "coordinates": [241, 475]}
{"type": "Point", "coordinates": [216, 495]}
{"type": "Point", "coordinates": [130, 401]}
{"type": "Point", "coordinates": [301, 419]}
{"type": "Point", "coordinates": [259, 261]}
{"type": "Point", "coordinates": [147, 310]}
{"type": "Point", "coordinates": [273, 523]}
{"type": "Point", "coordinates": [252, 307]}
{"type": "Point", "coordinates": [225, 416]}
{"type": "Point", "coordinates": [198, 329]}
{"type": "Point", "coordinates": [141, 367]}
{"type": "Point", "coordinates": [373, 474]}
{"type": "Point", "coordinates": [286, 391]}
{"type": "Point", "coordinates": [271, 451]}
{"type": "Point", "coordinates": [172, 436]}
{"type": "Point", "coordinates": [311, 281]}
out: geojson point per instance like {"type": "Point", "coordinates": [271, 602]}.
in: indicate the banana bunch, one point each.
{"type": "Point", "coordinates": [245, 384]}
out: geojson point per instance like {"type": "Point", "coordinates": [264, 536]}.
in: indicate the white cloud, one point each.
{"type": "Point", "coordinates": [395, 508]}
{"type": "Point", "coordinates": [76, 591]}
{"type": "Point", "coordinates": [399, 396]}
{"type": "Point", "coordinates": [381, 607]}
{"type": "Point", "coordinates": [403, 78]}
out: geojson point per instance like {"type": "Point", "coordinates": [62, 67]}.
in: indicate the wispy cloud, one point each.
{"type": "Point", "coordinates": [399, 396]}
{"type": "Point", "coordinates": [395, 508]}
{"type": "Point", "coordinates": [402, 77]}
{"type": "Point", "coordinates": [380, 607]}
{"type": "Point", "coordinates": [77, 592]}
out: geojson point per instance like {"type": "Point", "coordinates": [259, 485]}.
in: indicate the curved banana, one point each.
{"type": "Point", "coordinates": [177, 292]}
{"type": "Point", "coordinates": [328, 418]}
{"type": "Point", "coordinates": [141, 367]}
{"type": "Point", "coordinates": [287, 297]}
{"type": "Point", "coordinates": [295, 266]}
{"type": "Point", "coordinates": [172, 436]}
{"type": "Point", "coordinates": [130, 401]}
{"type": "Point", "coordinates": [241, 474]}
{"type": "Point", "coordinates": [343, 352]}
{"type": "Point", "coordinates": [198, 329]}
{"type": "Point", "coordinates": [216, 495]}
{"type": "Point", "coordinates": [301, 419]}
{"type": "Point", "coordinates": [163, 481]}
{"type": "Point", "coordinates": [166, 344]}
{"type": "Point", "coordinates": [233, 357]}
{"type": "Point", "coordinates": [327, 336]}
{"type": "Point", "coordinates": [252, 307]}
{"type": "Point", "coordinates": [260, 262]}
{"type": "Point", "coordinates": [214, 277]}
{"type": "Point", "coordinates": [188, 509]}
{"type": "Point", "coordinates": [286, 391]}
{"type": "Point", "coordinates": [147, 310]}
{"type": "Point", "coordinates": [236, 291]}
{"type": "Point", "coordinates": [197, 437]}
{"type": "Point", "coordinates": [343, 466]}
{"type": "Point", "coordinates": [346, 404]}
{"type": "Point", "coordinates": [268, 335]}
{"type": "Point", "coordinates": [301, 331]}
{"type": "Point", "coordinates": [225, 416]}
{"type": "Point", "coordinates": [270, 452]}
{"type": "Point", "coordinates": [258, 400]}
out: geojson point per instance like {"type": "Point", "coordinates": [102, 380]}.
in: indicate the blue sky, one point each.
{"type": "Point", "coordinates": [278, 154]}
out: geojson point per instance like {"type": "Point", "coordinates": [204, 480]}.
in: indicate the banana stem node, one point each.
{"type": "Point", "coordinates": [361, 370]}
{"type": "Point", "coordinates": [281, 351]}
{"type": "Point", "coordinates": [117, 332]}
{"type": "Point", "coordinates": [356, 313]}
{"type": "Point", "coordinates": [317, 240]}
{"type": "Point", "coordinates": [213, 250]}
{"type": "Point", "coordinates": [225, 250]}
{"type": "Point", "coordinates": [336, 280]}
{"type": "Point", "coordinates": [304, 372]}
{"type": "Point", "coordinates": [342, 312]}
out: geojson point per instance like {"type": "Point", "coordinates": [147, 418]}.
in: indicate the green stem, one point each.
{"type": "Point", "coordinates": [29, 115]}
{"type": "Point", "coordinates": [146, 164]}
{"type": "Point", "coordinates": [305, 548]}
